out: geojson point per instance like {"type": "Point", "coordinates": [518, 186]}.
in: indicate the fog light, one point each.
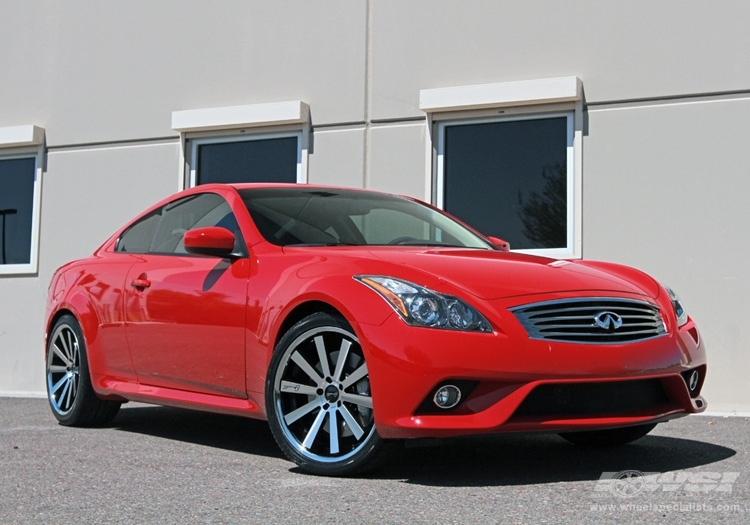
{"type": "Point", "coordinates": [693, 382]}
{"type": "Point", "coordinates": [447, 396]}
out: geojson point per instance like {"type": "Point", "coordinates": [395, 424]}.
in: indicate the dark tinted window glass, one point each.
{"type": "Point", "coordinates": [137, 238]}
{"type": "Point", "coordinates": [509, 179]}
{"type": "Point", "coordinates": [196, 211]}
{"type": "Point", "coordinates": [16, 209]}
{"type": "Point", "coordinates": [266, 160]}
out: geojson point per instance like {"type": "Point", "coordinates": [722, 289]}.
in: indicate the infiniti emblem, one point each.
{"type": "Point", "coordinates": [608, 321]}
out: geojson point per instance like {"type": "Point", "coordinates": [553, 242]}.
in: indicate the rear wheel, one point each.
{"type": "Point", "coordinates": [611, 437]}
{"type": "Point", "coordinates": [69, 389]}
{"type": "Point", "coordinates": [318, 399]}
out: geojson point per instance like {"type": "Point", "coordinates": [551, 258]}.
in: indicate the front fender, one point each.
{"type": "Point", "coordinates": [294, 297]}
{"type": "Point", "coordinates": [353, 300]}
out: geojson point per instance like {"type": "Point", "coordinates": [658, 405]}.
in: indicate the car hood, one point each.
{"type": "Point", "coordinates": [495, 275]}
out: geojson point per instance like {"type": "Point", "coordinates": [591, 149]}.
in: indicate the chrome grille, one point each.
{"type": "Point", "coordinates": [591, 320]}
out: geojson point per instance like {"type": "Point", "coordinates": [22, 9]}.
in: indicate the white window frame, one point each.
{"type": "Point", "coordinates": [241, 123]}
{"type": "Point", "coordinates": [505, 102]}
{"type": "Point", "coordinates": [24, 142]}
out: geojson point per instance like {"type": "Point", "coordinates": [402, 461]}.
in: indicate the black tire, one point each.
{"type": "Point", "coordinates": [612, 437]}
{"type": "Point", "coordinates": [318, 399]}
{"type": "Point", "coordinates": [69, 391]}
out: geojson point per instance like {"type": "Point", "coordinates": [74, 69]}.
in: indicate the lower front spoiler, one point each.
{"type": "Point", "coordinates": [521, 408]}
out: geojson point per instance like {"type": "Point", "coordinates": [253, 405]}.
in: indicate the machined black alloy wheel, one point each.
{"type": "Point", "coordinates": [319, 400]}
{"type": "Point", "coordinates": [69, 389]}
{"type": "Point", "coordinates": [63, 369]}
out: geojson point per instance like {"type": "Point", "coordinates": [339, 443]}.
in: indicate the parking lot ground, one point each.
{"type": "Point", "coordinates": [163, 466]}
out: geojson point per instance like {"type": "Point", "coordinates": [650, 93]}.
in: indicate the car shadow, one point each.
{"type": "Point", "coordinates": [543, 458]}
{"type": "Point", "coordinates": [238, 434]}
{"type": "Point", "coordinates": [497, 460]}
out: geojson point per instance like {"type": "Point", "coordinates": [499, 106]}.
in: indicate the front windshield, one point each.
{"type": "Point", "coordinates": [298, 216]}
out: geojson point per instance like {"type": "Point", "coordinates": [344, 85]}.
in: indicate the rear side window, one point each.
{"type": "Point", "coordinates": [137, 238]}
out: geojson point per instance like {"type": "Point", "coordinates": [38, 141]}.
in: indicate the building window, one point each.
{"type": "Point", "coordinates": [509, 178]}
{"type": "Point", "coordinates": [255, 143]}
{"type": "Point", "coordinates": [16, 208]}
{"type": "Point", "coordinates": [20, 191]}
{"type": "Point", "coordinates": [507, 161]}
{"type": "Point", "coordinates": [257, 158]}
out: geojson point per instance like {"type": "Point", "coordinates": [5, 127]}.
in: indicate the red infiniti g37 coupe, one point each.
{"type": "Point", "coordinates": [350, 319]}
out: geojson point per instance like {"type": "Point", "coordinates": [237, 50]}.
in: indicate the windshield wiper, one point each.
{"type": "Point", "coordinates": [431, 244]}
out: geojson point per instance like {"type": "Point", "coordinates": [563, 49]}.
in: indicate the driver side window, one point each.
{"type": "Point", "coordinates": [161, 232]}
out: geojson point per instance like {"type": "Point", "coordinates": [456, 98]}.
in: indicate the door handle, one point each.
{"type": "Point", "coordinates": [140, 283]}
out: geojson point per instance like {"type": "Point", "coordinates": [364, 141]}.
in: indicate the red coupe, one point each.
{"type": "Point", "coordinates": [350, 319]}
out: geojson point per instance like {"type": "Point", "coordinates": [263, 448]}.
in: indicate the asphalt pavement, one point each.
{"type": "Point", "coordinates": [168, 466]}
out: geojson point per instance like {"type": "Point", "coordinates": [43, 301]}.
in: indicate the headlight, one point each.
{"type": "Point", "coordinates": [420, 306]}
{"type": "Point", "coordinates": [682, 316]}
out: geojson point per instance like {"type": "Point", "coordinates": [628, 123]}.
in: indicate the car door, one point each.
{"type": "Point", "coordinates": [185, 314]}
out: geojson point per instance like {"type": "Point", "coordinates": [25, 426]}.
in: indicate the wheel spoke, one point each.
{"type": "Point", "coordinates": [306, 368]}
{"type": "Point", "coordinates": [59, 401]}
{"type": "Point", "coordinates": [71, 392]}
{"type": "Point", "coordinates": [333, 426]}
{"type": "Point", "coordinates": [60, 383]}
{"type": "Point", "coordinates": [68, 337]}
{"type": "Point", "coordinates": [288, 387]}
{"type": "Point", "coordinates": [358, 374]}
{"type": "Point", "coordinates": [62, 356]}
{"type": "Point", "coordinates": [313, 433]}
{"type": "Point", "coordinates": [322, 356]}
{"type": "Point", "coordinates": [62, 340]}
{"type": "Point", "coordinates": [341, 361]}
{"type": "Point", "coordinates": [56, 369]}
{"type": "Point", "coordinates": [302, 411]}
{"type": "Point", "coordinates": [353, 425]}
{"type": "Point", "coordinates": [356, 399]}
{"type": "Point", "coordinates": [74, 357]}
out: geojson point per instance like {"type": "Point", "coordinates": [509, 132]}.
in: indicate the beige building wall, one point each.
{"type": "Point", "coordinates": [665, 168]}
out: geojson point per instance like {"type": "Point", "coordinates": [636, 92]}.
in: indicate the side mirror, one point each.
{"type": "Point", "coordinates": [500, 243]}
{"type": "Point", "coordinates": [212, 240]}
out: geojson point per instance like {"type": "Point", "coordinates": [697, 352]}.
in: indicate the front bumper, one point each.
{"type": "Point", "coordinates": [516, 384]}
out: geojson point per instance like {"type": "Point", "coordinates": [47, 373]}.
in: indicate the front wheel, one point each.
{"type": "Point", "coordinates": [69, 389]}
{"type": "Point", "coordinates": [611, 437]}
{"type": "Point", "coordinates": [318, 399]}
